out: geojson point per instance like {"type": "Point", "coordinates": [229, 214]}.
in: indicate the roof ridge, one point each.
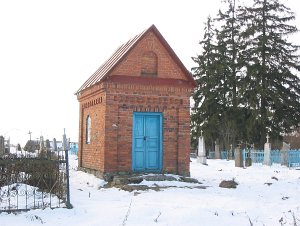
{"type": "Point", "coordinates": [111, 62]}
{"type": "Point", "coordinates": [122, 50]}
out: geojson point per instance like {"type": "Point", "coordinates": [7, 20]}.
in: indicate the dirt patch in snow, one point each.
{"type": "Point", "coordinates": [133, 183]}
{"type": "Point", "coordinates": [228, 184]}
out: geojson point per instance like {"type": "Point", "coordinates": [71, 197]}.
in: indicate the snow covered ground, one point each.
{"type": "Point", "coordinates": [264, 196]}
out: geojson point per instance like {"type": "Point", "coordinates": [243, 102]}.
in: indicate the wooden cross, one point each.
{"type": "Point", "coordinates": [29, 134]}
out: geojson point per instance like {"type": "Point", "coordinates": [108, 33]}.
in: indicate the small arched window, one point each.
{"type": "Point", "coordinates": [149, 64]}
{"type": "Point", "coordinates": [88, 129]}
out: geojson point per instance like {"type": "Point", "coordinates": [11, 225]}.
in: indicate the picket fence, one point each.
{"type": "Point", "coordinates": [257, 156]}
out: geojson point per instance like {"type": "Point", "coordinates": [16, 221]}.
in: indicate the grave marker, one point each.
{"type": "Point", "coordinates": [201, 150]}
{"type": "Point", "coordinates": [238, 157]}
{"type": "Point", "coordinates": [54, 145]}
{"type": "Point", "coordinates": [217, 151]}
{"type": "Point", "coordinates": [285, 154]}
{"type": "Point", "coordinates": [267, 152]}
{"type": "Point", "coordinates": [2, 146]}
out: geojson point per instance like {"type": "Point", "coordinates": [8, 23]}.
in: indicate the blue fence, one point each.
{"type": "Point", "coordinates": [73, 148]}
{"type": "Point", "coordinates": [257, 156]}
{"type": "Point", "coordinates": [227, 154]}
{"type": "Point", "coordinates": [294, 158]}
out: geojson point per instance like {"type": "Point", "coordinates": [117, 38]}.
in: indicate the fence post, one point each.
{"type": "Point", "coordinates": [66, 147]}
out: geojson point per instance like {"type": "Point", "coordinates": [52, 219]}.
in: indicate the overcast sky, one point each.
{"type": "Point", "coordinates": [49, 48]}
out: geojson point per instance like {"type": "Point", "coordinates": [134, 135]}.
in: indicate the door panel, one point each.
{"type": "Point", "coordinates": [139, 144]}
{"type": "Point", "coordinates": [147, 146]}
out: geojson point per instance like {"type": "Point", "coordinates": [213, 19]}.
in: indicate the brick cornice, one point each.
{"type": "Point", "coordinates": [150, 81]}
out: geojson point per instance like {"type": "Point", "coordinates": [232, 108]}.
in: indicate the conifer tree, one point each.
{"type": "Point", "coordinates": [205, 113]}
{"type": "Point", "coordinates": [247, 74]}
{"type": "Point", "coordinates": [272, 88]}
{"type": "Point", "coordinates": [229, 35]}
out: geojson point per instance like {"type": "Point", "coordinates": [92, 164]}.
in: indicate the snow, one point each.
{"type": "Point", "coordinates": [265, 195]}
{"type": "Point", "coordinates": [33, 199]}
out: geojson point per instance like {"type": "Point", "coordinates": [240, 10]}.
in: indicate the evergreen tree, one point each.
{"type": "Point", "coordinates": [272, 89]}
{"type": "Point", "coordinates": [229, 36]}
{"type": "Point", "coordinates": [231, 44]}
{"type": "Point", "coordinates": [217, 107]}
{"type": "Point", "coordinates": [207, 106]}
{"type": "Point", "coordinates": [247, 75]}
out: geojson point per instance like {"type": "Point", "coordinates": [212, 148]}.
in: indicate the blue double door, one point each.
{"type": "Point", "coordinates": [147, 142]}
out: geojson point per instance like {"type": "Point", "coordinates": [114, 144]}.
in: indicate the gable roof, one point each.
{"type": "Point", "coordinates": [121, 53]}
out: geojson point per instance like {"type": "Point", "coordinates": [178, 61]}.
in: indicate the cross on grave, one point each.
{"type": "Point", "coordinates": [268, 138]}
{"type": "Point", "coordinates": [29, 134]}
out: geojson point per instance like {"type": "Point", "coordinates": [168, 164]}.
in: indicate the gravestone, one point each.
{"type": "Point", "coordinates": [7, 146]}
{"type": "Point", "coordinates": [54, 145]}
{"type": "Point", "coordinates": [2, 146]}
{"type": "Point", "coordinates": [267, 153]}
{"type": "Point", "coordinates": [238, 157]}
{"type": "Point", "coordinates": [248, 161]}
{"type": "Point", "coordinates": [48, 144]}
{"type": "Point", "coordinates": [48, 148]}
{"type": "Point", "coordinates": [285, 154]}
{"type": "Point", "coordinates": [217, 151]}
{"type": "Point", "coordinates": [66, 143]}
{"type": "Point", "coordinates": [201, 151]}
{"type": "Point", "coordinates": [42, 150]}
{"type": "Point", "coordinates": [42, 145]}
{"type": "Point", "coordinates": [230, 153]}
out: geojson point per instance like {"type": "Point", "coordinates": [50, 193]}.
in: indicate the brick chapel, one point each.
{"type": "Point", "coordinates": [135, 111]}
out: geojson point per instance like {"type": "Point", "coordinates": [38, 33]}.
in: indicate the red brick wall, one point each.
{"type": "Point", "coordinates": [91, 155]}
{"type": "Point", "coordinates": [123, 100]}
{"type": "Point", "coordinates": [132, 64]}
{"type": "Point", "coordinates": [110, 150]}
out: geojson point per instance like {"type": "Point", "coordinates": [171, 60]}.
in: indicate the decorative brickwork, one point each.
{"type": "Point", "coordinates": [123, 91]}
{"type": "Point", "coordinates": [149, 64]}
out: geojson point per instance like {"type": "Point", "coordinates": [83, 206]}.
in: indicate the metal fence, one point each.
{"type": "Point", "coordinates": [257, 156]}
{"type": "Point", "coordinates": [33, 180]}
{"type": "Point", "coordinates": [276, 157]}
{"type": "Point", "coordinates": [294, 158]}
{"type": "Point", "coordinates": [227, 154]}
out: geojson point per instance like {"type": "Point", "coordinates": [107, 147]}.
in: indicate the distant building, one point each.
{"type": "Point", "coordinates": [32, 145]}
{"type": "Point", "coordinates": [135, 110]}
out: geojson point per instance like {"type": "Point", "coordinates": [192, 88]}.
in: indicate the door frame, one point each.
{"type": "Point", "coordinates": [160, 162]}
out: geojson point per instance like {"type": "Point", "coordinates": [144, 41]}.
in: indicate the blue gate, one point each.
{"type": "Point", "coordinates": [147, 142]}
